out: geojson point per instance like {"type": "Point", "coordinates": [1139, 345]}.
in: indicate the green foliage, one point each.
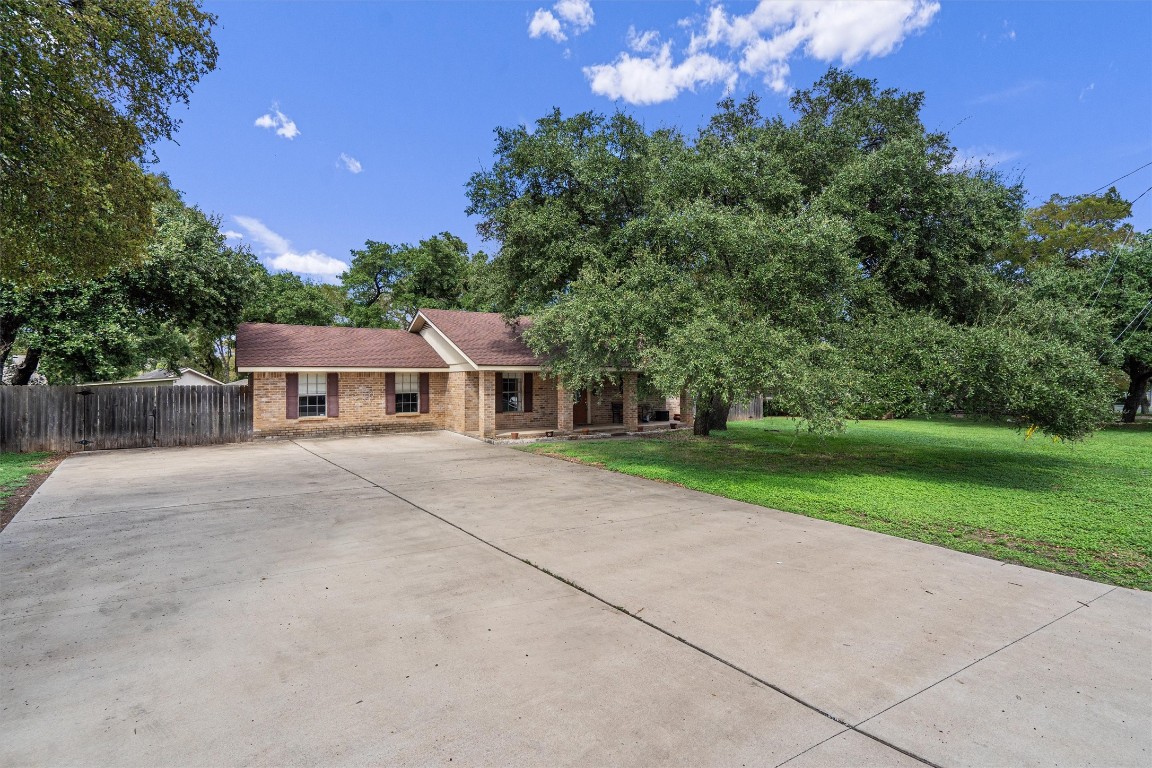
{"type": "Point", "coordinates": [556, 199]}
{"type": "Point", "coordinates": [1067, 231]}
{"type": "Point", "coordinates": [190, 284]}
{"type": "Point", "coordinates": [924, 235]}
{"type": "Point", "coordinates": [387, 284]}
{"type": "Point", "coordinates": [975, 487]}
{"type": "Point", "coordinates": [87, 88]}
{"type": "Point", "coordinates": [837, 262]}
{"type": "Point", "coordinates": [284, 297]}
{"type": "Point", "coordinates": [1123, 293]}
{"type": "Point", "coordinates": [1113, 290]}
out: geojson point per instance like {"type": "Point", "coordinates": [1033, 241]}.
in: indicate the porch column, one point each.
{"type": "Point", "coordinates": [631, 404]}
{"type": "Point", "coordinates": [687, 408]}
{"type": "Point", "coordinates": [563, 408]}
{"type": "Point", "coordinates": [487, 406]}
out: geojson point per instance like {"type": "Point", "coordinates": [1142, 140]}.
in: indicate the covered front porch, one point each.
{"type": "Point", "coordinates": [527, 404]}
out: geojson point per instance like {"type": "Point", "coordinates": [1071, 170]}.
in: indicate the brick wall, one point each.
{"type": "Point", "coordinates": [362, 408]}
{"type": "Point", "coordinates": [611, 392]}
{"type": "Point", "coordinates": [463, 401]}
{"type": "Point", "coordinates": [543, 414]}
{"type": "Point", "coordinates": [454, 404]}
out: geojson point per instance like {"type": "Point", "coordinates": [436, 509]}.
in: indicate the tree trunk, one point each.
{"type": "Point", "coordinates": [718, 414]}
{"type": "Point", "coordinates": [703, 423]}
{"type": "Point", "coordinates": [711, 413]}
{"type": "Point", "coordinates": [9, 326]}
{"type": "Point", "coordinates": [24, 371]}
{"type": "Point", "coordinates": [1138, 376]}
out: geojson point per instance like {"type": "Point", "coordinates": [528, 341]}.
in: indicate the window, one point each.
{"type": "Point", "coordinates": [407, 393]}
{"type": "Point", "coordinates": [313, 394]}
{"type": "Point", "coordinates": [510, 392]}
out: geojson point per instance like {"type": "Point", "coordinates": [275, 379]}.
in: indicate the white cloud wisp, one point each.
{"type": "Point", "coordinates": [574, 15]}
{"type": "Point", "coordinates": [971, 158]}
{"type": "Point", "coordinates": [760, 43]}
{"type": "Point", "coordinates": [351, 164]}
{"type": "Point", "coordinates": [280, 253]}
{"type": "Point", "coordinates": [278, 121]}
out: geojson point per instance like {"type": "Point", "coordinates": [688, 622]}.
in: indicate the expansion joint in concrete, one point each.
{"type": "Point", "coordinates": [620, 609]}
{"type": "Point", "coordinates": [988, 655]}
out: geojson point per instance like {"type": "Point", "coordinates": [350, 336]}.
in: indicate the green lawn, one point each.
{"type": "Point", "coordinates": [1083, 508]}
{"type": "Point", "coordinates": [14, 471]}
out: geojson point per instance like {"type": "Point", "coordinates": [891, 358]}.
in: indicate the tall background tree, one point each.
{"type": "Point", "coordinates": [180, 304]}
{"type": "Point", "coordinates": [283, 297]}
{"type": "Point", "coordinates": [85, 90]}
{"type": "Point", "coordinates": [1068, 230]}
{"type": "Point", "coordinates": [386, 284]}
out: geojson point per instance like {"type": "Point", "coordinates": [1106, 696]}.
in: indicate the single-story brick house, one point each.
{"type": "Point", "coordinates": [469, 372]}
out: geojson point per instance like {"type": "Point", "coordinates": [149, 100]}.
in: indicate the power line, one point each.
{"type": "Point", "coordinates": [1141, 195]}
{"type": "Point", "coordinates": [1115, 256]}
{"type": "Point", "coordinates": [1122, 177]}
{"type": "Point", "coordinates": [1141, 316]}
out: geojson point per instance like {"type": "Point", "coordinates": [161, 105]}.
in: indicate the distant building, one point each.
{"type": "Point", "coordinates": [186, 377]}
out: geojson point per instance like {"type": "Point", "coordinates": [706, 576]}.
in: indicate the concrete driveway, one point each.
{"type": "Point", "coordinates": [430, 599]}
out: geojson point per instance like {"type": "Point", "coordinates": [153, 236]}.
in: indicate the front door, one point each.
{"type": "Point", "coordinates": [580, 416]}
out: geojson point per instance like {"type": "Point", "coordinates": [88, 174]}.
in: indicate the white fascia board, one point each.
{"type": "Point", "coordinates": [440, 336]}
{"type": "Point", "coordinates": [510, 368]}
{"type": "Point", "coordinates": [334, 369]}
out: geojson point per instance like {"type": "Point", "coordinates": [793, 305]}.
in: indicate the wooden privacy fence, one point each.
{"type": "Point", "coordinates": [753, 409]}
{"type": "Point", "coordinates": [95, 418]}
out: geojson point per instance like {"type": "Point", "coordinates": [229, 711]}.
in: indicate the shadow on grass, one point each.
{"type": "Point", "coordinates": [747, 451]}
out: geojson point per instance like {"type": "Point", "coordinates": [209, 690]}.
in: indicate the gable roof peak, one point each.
{"type": "Point", "coordinates": [485, 338]}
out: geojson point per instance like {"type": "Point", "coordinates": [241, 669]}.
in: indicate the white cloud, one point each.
{"type": "Point", "coordinates": [1084, 92]}
{"type": "Point", "coordinates": [350, 163]}
{"type": "Point", "coordinates": [279, 249]}
{"type": "Point", "coordinates": [544, 23]}
{"type": "Point", "coordinates": [653, 79]}
{"type": "Point", "coordinates": [574, 15]}
{"type": "Point", "coordinates": [275, 119]}
{"type": "Point", "coordinates": [647, 41]}
{"type": "Point", "coordinates": [231, 234]}
{"type": "Point", "coordinates": [578, 13]}
{"type": "Point", "coordinates": [311, 263]}
{"type": "Point", "coordinates": [761, 43]}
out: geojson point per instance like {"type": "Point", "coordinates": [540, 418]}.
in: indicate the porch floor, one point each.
{"type": "Point", "coordinates": [591, 429]}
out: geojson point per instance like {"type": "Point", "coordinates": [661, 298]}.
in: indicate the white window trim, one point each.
{"type": "Point", "coordinates": [301, 394]}
{"type": "Point", "coordinates": [411, 386]}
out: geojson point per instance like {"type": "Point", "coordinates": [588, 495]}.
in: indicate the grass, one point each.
{"type": "Point", "coordinates": [1083, 509]}
{"type": "Point", "coordinates": [15, 470]}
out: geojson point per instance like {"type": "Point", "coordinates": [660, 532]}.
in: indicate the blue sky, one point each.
{"type": "Point", "coordinates": [327, 124]}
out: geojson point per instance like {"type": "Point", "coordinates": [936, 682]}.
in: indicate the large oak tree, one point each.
{"type": "Point", "coordinates": [836, 261]}
{"type": "Point", "coordinates": [85, 90]}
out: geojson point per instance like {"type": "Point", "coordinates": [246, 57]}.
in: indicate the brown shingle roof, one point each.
{"type": "Point", "coordinates": [270, 345]}
{"type": "Point", "coordinates": [484, 336]}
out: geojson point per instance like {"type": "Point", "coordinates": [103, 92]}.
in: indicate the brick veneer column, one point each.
{"type": "Point", "coordinates": [457, 401]}
{"type": "Point", "coordinates": [687, 408]}
{"type": "Point", "coordinates": [487, 404]}
{"type": "Point", "coordinates": [631, 401]}
{"type": "Point", "coordinates": [563, 408]}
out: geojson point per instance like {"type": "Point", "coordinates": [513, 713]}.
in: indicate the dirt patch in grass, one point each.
{"type": "Point", "coordinates": [14, 502]}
